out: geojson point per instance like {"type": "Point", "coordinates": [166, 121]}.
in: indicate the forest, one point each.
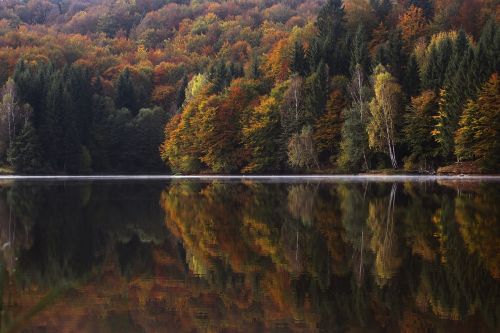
{"type": "Point", "coordinates": [249, 86]}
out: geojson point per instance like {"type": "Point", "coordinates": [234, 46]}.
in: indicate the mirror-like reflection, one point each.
{"type": "Point", "coordinates": [249, 256]}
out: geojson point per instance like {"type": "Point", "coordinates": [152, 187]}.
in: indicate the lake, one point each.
{"type": "Point", "coordinates": [253, 254]}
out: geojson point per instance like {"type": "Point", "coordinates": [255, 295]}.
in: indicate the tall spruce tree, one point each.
{"type": "Point", "coordinates": [125, 93]}
{"type": "Point", "coordinates": [411, 82]}
{"type": "Point", "coordinates": [298, 64]}
{"type": "Point", "coordinates": [331, 26]}
{"type": "Point", "coordinates": [359, 51]}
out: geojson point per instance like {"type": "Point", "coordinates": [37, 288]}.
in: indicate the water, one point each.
{"type": "Point", "coordinates": [230, 254]}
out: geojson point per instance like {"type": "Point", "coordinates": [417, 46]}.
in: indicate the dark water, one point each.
{"type": "Point", "coordinates": [250, 256]}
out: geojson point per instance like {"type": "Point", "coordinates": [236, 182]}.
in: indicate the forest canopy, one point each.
{"type": "Point", "coordinates": [251, 86]}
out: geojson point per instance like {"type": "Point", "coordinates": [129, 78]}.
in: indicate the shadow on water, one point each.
{"type": "Point", "coordinates": [249, 255]}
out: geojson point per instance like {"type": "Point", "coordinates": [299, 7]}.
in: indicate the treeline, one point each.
{"type": "Point", "coordinates": [348, 99]}
{"type": "Point", "coordinates": [70, 127]}
{"type": "Point", "coordinates": [249, 86]}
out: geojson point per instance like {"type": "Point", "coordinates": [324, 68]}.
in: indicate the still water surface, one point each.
{"type": "Point", "coordinates": [250, 255]}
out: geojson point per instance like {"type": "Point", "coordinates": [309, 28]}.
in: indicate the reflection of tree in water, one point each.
{"type": "Point", "coordinates": [384, 239]}
{"type": "Point", "coordinates": [230, 257]}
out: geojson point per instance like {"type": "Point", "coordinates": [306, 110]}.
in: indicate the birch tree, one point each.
{"type": "Point", "coordinates": [384, 110]}
{"type": "Point", "coordinates": [11, 114]}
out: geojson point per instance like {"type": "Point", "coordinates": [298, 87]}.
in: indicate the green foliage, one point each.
{"type": "Point", "coordinates": [261, 136]}
{"type": "Point", "coordinates": [25, 154]}
{"type": "Point", "coordinates": [479, 134]}
{"type": "Point", "coordinates": [354, 144]}
{"type": "Point", "coordinates": [419, 122]}
{"type": "Point", "coordinates": [301, 152]}
{"type": "Point", "coordinates": [298, 64]}
{"type": "Point", "coordinates": [125, 93]}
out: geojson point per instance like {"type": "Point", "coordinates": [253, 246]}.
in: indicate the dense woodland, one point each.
{"type": "Point", "coordinates": [250, 86]}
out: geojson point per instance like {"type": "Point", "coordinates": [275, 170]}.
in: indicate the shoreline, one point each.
{"type": "Point", "coordinates": [307, 177]}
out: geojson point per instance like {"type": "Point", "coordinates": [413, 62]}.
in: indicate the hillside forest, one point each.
{"type": "Point", "coordinates": [248, 86]}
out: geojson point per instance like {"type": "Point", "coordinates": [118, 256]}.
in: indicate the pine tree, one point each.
{"type": "Point", "coordinates": [219, 76]}
{"type": "Point", "coordinates": [331, 19]}
{"type": "Point", "coordinates": [418, 126]}
{"type": "Point", "coordinates": [464, 136]}
{"type": "Point", "coordinates": [25, 155]}
{"type": "Point", "coordinates": [437, 63]}
{"type": "Point", "coordinates": [125, 92]}
{"type": "Point", "coordinates": [354, 142]}
{"type": "Point", "coordinates": [316, 93]}
{"type": "Point", "coordinates": [359, 51]}
{"type": "Point", "coordinates": [444, 128]}
{"type": "Point", "coordinates": [314, 55]}
{"type": "Point", "coordinates": [479, 134]}
{"type": "Point", "coordinates": [411, 82]}
{"type": "Point", "coordinates": [181, 93]}
{"type": "Point", "coordinates": [298, 64]}
{"type": "Point", "coordinates": [391, 54]}
{"type": "Point", "coordinates": [331, 26]}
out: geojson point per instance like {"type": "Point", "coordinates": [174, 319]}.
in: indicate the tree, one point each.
{"type": "Point", "coordinates": [125, 92]}
{"type": "Point", "coordinates": [328, 128]}
{"type": "Point", "coordinates": [412, 24]}
{"type": "Point", "coordinates": [331, 26]}
{"type": "Point", "coordinates": [479, 133]}
{"type": "Point", "coordinates": [384, 111]}
{"type": "Point", "coordinates": [316, 93]}
{"type": "Point", "coordinates": [261, 136]}
{"type": "Point", "coordinates": [419, 122]}
{"type": "Point", "coordinates": [301, 153]}
{"type": "Point", "coordinates": [298, 64]}
{"type": "Point", "coordinates": [381, 8]}
{"type": "Point", "coordinates": [434, 70]}
{"type": "Point", "coordinates": [12, 115]}
{"type": "Point", "coordinates": [391, 54]}
{"type": "Point", "coordinates": [359, 51]}
{"type": "Point", "coordinates": [25, 154]}
{"type": "Point", "coordinates": [354, 143]}
{"type": "Point", "coordinates": [352, 153]}
{"type": "Point", "coordinates": [411, 82]}
{"type": "Point", "coordinates": [464, 136]}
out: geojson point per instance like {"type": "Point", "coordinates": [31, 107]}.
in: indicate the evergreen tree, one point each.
{"type": "Point", "coordinates": [25, 155]}
{"type": "Point", "coordinates": [314, 55]}
{"type": "Point", "coordinates": [78, 82]}
{"type": "Point", "coordinates": [181, 94]}
{"type": "Point", "coordinates": [354, 142]}
{"type": "Point", "coordinates": [219, 76]}
{"type": "Point", "coordinates": [253, 70]}
{"type": "Point", "coordinates": [316, 93]}
{"type": "Point", "coordinates": [125, 92]}
{"type": "Point", "coordinates": [464, 136]}
{"type": "Point", "coordinates": [298, 64]}
{"type": "Point", "coordinates": [443, 131]}
{"type": "Point", "coordinates": [359, 51]}
{"type": "Point", "coordinates": [419, 122]}
{"type": "Point", "coordinates": [391, 54]}
{"type": "Point", "coordinates": [437, 64]}
{"type": "Point", "coordinates": [331, 26]}
{"type": "Point", "coordinates": [479, 133]}
{"type": "Point", "coordinates": [331, 20]}
{"type": "Point", "coordinates": [411, 82]}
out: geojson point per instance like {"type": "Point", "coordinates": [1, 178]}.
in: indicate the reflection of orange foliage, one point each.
{"type": "Point", "coordinates": [478, 219]}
